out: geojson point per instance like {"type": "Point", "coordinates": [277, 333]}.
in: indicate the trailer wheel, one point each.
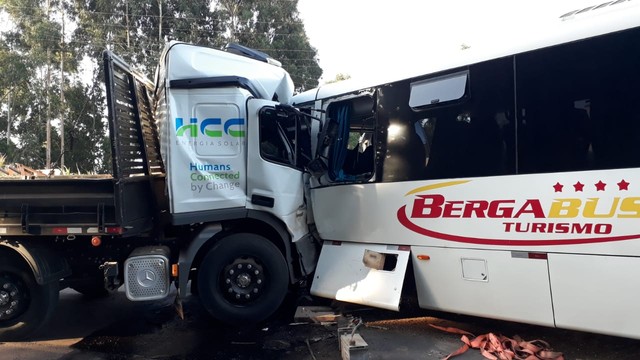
{"type": "Point", "coordinates": [24, 305]}
{"type": "Point", "coordinates": [243, 279]}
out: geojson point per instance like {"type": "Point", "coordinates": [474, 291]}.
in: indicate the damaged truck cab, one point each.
{"type": "Point", "coordinates": [207, 192]}
{"type": "Point", "coordinates": [234, 167]}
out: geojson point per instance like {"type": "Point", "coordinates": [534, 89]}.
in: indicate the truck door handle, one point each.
{"type": "Point", "coordinates": [262, 200]}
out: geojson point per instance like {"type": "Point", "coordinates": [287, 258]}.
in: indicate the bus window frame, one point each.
{"type": "Point", "coordinates": [434, 81]}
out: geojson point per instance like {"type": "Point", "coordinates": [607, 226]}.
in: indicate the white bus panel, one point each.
{"type": "Point", "coordinates": [596, 293]}
{"type": "Point", "coordinates": [507, 285]}
{"type": "Point", "coordinates": [346, 272]}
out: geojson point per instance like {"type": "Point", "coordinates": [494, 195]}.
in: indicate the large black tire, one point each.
{"type": "Point", "coordinates": [243, 279]}
{"type": "Point", "coordinates": [24, 305]}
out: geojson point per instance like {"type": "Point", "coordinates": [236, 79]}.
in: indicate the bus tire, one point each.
{"type": "Point", "coordinates": [243, 279]}
{"type": "Point", "coordinates": [24, 305]}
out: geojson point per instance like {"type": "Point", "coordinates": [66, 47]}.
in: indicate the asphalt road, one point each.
{"type": "Point", "coordinates": [114, 328]}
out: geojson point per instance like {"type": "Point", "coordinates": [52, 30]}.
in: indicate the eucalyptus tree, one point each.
{"type": "Point", "coordinates": [13, 79]}
{"type": "Point", "coordinates": [274, 27]}
{"type": "Point", "coordinates": [34, 44]}
{"type": "Point", "coordinates": [41, 57]}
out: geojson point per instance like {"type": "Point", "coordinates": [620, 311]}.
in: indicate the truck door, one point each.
{"type": "Point", "coordinates": [279, 148]}
{"type": "Point", "coordinates": [205, 151]}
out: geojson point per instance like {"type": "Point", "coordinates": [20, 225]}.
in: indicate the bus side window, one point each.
{"type": "Point", "coordinates": [352, 154]}
{"type": "Point", "coordinates": [475, 136]}
{"type": "Point", "coordinates": [359, 159]}
{"type": "Point", "coordinates": [577, 105]}
{"type": "Point", "coordinates": [614, 106]}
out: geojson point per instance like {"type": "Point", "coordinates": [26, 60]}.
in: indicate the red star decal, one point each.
{"type": "Point", "coordinates": [557, 187]}
{"type": "Point", "coordinates": [623, 185]}
{"type": "Point", "coordinates": [600, 186]}
{"type": "Point", "coordinates": [578, 186]}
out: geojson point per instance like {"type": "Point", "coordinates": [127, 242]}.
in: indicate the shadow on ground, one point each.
{"type": "Point", "coordinates": [159, 333]}
{"type": "Point", "coordinates": [156, 332]}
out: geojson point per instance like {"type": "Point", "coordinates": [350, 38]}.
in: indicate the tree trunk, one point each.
{"type": "Point", "coordinates": [62, 105]}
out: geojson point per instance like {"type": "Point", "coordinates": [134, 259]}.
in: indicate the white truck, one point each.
{"type": "Point", "coordinates": [192, 199]}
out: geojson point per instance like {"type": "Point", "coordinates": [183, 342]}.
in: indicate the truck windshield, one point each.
{"type": "Point", "coordinates": [285, 136]}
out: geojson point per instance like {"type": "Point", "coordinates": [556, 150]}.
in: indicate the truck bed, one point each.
{"type": "Point", "coordinates": [127, 202]}
{"type": "Point", "coordinates": [87, 205]}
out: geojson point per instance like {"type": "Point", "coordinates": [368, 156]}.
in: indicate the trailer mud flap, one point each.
{"type": "Point", "coordinates": [366, 274]}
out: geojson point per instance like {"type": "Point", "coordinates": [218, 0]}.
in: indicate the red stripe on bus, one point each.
{"type": "Point", "coordinates": [402, 217]}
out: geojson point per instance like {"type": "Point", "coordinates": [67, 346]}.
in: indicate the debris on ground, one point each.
{"type": "Point", "coordinates": [310, 350]}
{"type": "Point", "coordinates": [499, 347]}
{"type": "Point", "coordinates": [317, 314]}
{"type": "Point", "coordinates": [352, 345]}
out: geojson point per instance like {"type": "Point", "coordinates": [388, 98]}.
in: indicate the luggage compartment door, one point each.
{"type": "Point", "coordinates": [499, 284]}
{"type": "Point", "coordinates": [366, 274]}
{"type": "Point", "coordinates": [596, 293]}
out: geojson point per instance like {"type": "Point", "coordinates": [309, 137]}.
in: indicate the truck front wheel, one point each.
{"type": "Point", "coordinates": [243, 279]}
{"type": "Point", "coordinates": [24, 305]}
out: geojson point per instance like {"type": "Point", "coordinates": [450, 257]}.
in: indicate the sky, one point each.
{"type": "Point", "coordinates": [361, 38]}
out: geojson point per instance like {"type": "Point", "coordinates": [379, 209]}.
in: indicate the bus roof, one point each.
{"type": "Point", "coordinates": [599, 19]}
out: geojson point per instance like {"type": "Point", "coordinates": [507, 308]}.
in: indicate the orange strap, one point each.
{"type": "Point", "coordinates": [498, 347]}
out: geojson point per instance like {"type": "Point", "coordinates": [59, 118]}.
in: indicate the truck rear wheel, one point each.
{"type": "Point", "coordinates": [24, 305]}
{"type": "Point", "coordinates": [243, 279]}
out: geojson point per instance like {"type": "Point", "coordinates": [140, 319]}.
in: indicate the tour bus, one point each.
{"type": "Point", "coordinates": [506, 181]}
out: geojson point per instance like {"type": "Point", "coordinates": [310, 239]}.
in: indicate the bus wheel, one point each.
{"type": "Point", "coordinates": [24, 305]}
{"type": "Point", "coordinates": [243, 279]}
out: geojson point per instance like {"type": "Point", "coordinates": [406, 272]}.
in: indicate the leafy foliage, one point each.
{"type": "Point", "coordinates": [274, 26]}
{"type": "Point", "coordinates": [339, 77]}
{"type": "Point", "coordinates": [32, 50]}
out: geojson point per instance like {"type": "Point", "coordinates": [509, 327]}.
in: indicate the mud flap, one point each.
{"type": "Point", "coordinates": [366, 274]}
